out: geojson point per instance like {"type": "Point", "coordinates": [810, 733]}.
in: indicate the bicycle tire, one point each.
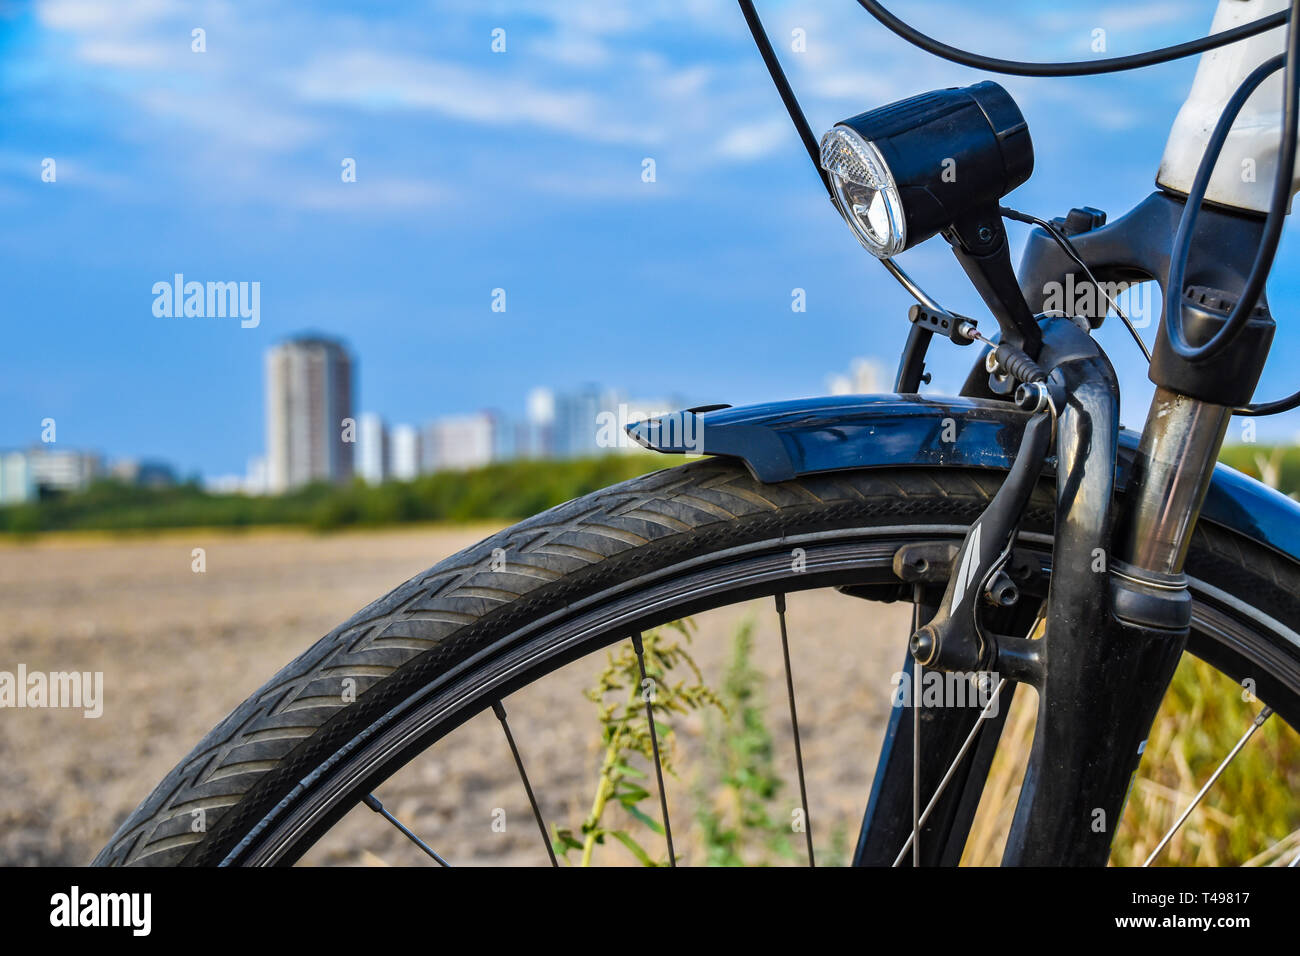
{"type": "Point", "coordinates": [461, 618]}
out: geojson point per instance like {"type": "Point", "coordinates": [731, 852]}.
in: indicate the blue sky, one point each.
{"type": "Point", "coordinates": [518, 170]}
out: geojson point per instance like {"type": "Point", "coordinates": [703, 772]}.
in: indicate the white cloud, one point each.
{"type": "Point", "coordinates": [609, 18]}
{"type": "Point", "coordinates": [594, 186]}
{"type": "Point", "coordinates": [100, 16]}
{"type": "Point", "coordinates": [574, 50]}
{"type": "Point", "coordinates": [370, 196]}
{"type": "Point", "coordinates": [231, 119]}
{"type": "Point", "coordinates": [376, 81]}
{"type": "Point", "coordinates": [1132, 17]}
{"type": "Point", "coordinates": [74, 171]}
{"type": "Point", "coordinates": [676, 80]}
{"type": "Point", "coordinates": [125, 54]}
{"type": "Point", "coordinates": [752, 141]}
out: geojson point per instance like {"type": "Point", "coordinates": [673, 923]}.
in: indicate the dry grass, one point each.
{"type": "Point", "coordinates": [1250, 816]}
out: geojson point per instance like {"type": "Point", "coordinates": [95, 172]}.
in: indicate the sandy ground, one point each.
{"type": "Point", "coordinates": [179, 649]}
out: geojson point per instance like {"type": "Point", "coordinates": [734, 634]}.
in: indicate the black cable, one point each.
{"type": "Point", "coordinates": [787, 94]}
{"type": "Point", "coordinates": [1269, 408]}
{"type": "Point", "coordinates": [1078, 67]}
{"type": "Point", "coordinates": [1277, 212]}
{"type": "Point", "coordinates": [1067, 247]}
{"type": "Point", "coordinates": [1281, 186]}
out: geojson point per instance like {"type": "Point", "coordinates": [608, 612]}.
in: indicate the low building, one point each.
{"type": "Point", "coordinates": [16, 484]}
{"type": "Point", "coordinates": [145, 473]}
{"type": "Point", "coordinates": [459, 442]}
{"type": "Point", "coordinates": [404, 452]}
{"type": "Point", "coordinates": [373, 454]}
{"type": "Point", "coordinates": [63, 469]}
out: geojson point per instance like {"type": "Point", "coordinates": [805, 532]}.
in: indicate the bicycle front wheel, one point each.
{"type": "Point", "coordinates": [330, 727]}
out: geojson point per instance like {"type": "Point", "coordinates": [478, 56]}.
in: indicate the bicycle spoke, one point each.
{"type": "Point", "coordinates": [373, 803]}
{"type": "Point", "coordinates": [1278, 852]}
{"type": "Point", "coordinates": [794, 723]}
{"type": "Point", "coordinates": [1250, 732]}
{"type": "Point", "coordinates": [984, 715]}
{"type": "Point", "coordinates": [915, 838]}
{"type": "Point", "coordinates": [952, 768]}
{"type": "Point", "coordinates": [654, 745]}
{"type": "Point", "coordinates": [500, 711]}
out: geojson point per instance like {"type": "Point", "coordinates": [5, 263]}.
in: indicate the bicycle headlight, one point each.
{"type": "Point", "coordinates": [866, 193]}
{"type": "Point", "coordinates": [905, 171]}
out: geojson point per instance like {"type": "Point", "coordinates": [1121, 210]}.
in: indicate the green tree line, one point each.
{"type": "Point", "coordinates": [1277, 466]}
{"type": "Point", "coordinates": [500, 492]}
{"type": "Point", "coordinates": [506, 491]}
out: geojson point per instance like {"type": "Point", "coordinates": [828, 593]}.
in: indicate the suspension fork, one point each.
{"type": "Point", "coordinates": [1115, 638]}
{"type": "Point", "coordinates": [1117, 620]}
{"type": "Point", "coordinates": [1078, 767]}
{"type": "Point", "coordinates": [1119, 610]}
{"type": "Point", "coordinates": [1083, 672]}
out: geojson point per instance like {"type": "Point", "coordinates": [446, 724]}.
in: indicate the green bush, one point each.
{"type": "Point", "coordinates": [501, 492]}
{"type": "Point", "coordinates": [1278, 465]}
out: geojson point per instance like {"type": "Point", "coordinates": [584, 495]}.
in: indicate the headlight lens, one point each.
{"type": "Point", "coordinates": [865, 191]}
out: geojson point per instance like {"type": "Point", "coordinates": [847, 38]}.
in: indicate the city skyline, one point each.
{"type": "Point", "coordinates": [551, 423]}
{"type": "Point", "coordinates": [216, 168]}
{"type": "Point", "coordinates": [314, 432]}
{"type": "Point", "coordinates": [311, 436]}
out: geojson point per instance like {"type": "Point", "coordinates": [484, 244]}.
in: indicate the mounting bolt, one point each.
{"type": "Point", "coordinates": [923, 645]}
{"type": "Point", "coordinates": [1002, 591]}
{"type": "Point", "coordinates": [1032, 396]}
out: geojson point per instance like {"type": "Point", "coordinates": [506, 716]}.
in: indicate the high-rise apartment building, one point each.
{"type": "Point", "coordinates": [405, 448]}
{"type": "Point", "coordinates": [458, 442]}
{"type": "Point", "coordinates": [576, 424]}
{"type": "Point", "coordinates": [309, 384]}
{"type": "Point", "coordinates": [373, 457]}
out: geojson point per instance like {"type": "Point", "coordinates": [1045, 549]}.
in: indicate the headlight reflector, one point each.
{"type": "Point", "coordinates": [865, 191]}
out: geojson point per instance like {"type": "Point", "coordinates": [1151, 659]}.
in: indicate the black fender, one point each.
{"type": "Point", "coordinates": [779, 441]}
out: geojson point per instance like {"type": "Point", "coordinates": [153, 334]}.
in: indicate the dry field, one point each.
{"type": "Point", "coordinates": [179, 650]}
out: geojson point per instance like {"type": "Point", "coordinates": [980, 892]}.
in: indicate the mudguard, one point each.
{"type": "Point", "coordinates": [779, 441]}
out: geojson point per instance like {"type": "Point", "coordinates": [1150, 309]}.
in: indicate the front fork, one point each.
{"type": "Point", "coordinates": [1117, 623]}
{"type": "Point", "coordinates": [1119, 610]}
{"type": "Point", "coordinates": [1114, 638]}
{"type": "Point", "coordinates": [1117, 620]}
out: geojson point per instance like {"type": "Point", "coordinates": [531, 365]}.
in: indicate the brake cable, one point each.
{"type": "Point", "coordinates": [1178, 259]}
{"type": "Point", "coordinates": [1272, 225]}
{"type": "Point", "coordinates": [787, 93]}
{"type": "Point", "coordinates": [1067, 247]}
{"type": "Point", "coordinates": [1281, 191]}
{"type": "Point", "coordinates": [1114, 64]}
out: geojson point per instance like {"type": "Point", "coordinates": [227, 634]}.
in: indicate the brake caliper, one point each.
{"type": "Point", "coordinates": [953, 640]}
